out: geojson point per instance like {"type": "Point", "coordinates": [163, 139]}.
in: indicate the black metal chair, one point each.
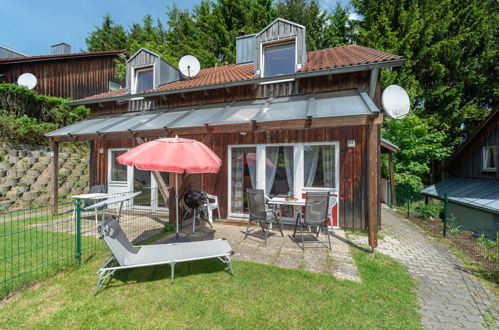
{"type": "Point", "coordinates": [93, 190]}
{"type": "Point", "coordinates": [316, 207]}
{"type": "Point", "coordinates": [260, 213]}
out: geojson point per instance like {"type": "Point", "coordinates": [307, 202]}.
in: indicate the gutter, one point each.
{"type": "Point", "coordinates": [297, 75]}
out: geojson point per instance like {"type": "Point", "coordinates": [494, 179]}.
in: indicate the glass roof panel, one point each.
{"type": "Point", "coordinates": [285, 108]}
{"type": "Point", "coordinates": [199, 117]}
{"type": "Point", "coordinates": [132, 122]}
{"type": "Point", "coordinates": [340, 104]}
{"type": "Point", "coordinates": [241, 112]}
{"type": "Point", "coordinates": [97, 126]}
{"type": "Point", "coordinates": [163, 120]}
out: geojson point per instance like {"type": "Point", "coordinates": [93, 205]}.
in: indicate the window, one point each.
{"type": "Point", "coordinates": [118, 171]}
{"type": "Point", "coordinates": [489, 158]}
{"type": "Point", "coordinates": [279, 170]}
{"type": "Point", "coordinates": [279, 59]}
{"type": "Point", "coordinates": [243, 176]}
{"type": "Point", "coordinates": [143, 79]}
{"type": "Point", "coordinates": [319, 166]}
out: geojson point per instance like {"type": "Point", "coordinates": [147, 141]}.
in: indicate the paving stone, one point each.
{"type": "Point", "coordinates": [449, 297]}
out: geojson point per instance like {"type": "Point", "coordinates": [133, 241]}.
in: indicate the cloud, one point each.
{"type": "Point", "coordinates": [355, 17]}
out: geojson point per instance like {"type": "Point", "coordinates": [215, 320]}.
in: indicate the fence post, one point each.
{"type": "Point", "coordinates": [78, 231]}
{"type": "Point", "coordinates": [445, 214]}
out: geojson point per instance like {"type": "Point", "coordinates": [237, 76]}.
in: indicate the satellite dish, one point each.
{"type": "Point", "coordinates": [189, 66]}
{"type": "Point", "coordinates": [27, 80]}
{"type": "Point", "coordinates": [395, 101]}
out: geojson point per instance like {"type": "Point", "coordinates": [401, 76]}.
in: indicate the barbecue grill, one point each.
{"type": "Point", "coordinates": [195, 200]}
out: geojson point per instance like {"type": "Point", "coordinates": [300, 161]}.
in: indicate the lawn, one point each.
{"type": "Point", "coordinates": [206, 296]}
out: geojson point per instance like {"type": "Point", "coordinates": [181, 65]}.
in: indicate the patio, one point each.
{"type": "Point", "coordinates": [280, 251]}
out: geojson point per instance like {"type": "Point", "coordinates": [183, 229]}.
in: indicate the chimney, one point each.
{"type": "Point", "coordinates": [62, 48]}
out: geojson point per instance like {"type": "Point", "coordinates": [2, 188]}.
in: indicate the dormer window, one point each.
{"type": "Point", "coordinates": [279, 59]}
{"type": "Point", "coordinates": [143, 79]}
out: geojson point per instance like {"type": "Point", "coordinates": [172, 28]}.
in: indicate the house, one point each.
{"type": "Point", "coordinates": [472, 187]}
{"type": "Point", "coordinates": [315, 115]}
{"type": "Point", "coordinates": [65, 74]}
{"type": "Point", "coordinates": [6, 52]}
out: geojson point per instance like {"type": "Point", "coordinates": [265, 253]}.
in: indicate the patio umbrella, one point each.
{"type": "Point", "coordinates": [175, 155]}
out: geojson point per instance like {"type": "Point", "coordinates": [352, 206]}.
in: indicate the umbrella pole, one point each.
{"type": "Point", "coordinates": [176, 202]}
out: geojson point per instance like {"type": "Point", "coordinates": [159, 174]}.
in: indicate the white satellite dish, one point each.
{"type": "Point", "coordinates": [27, 80]}
{"type": "Point", "coordinates": [189, 66]}
{"type": "Point", "coordinates": [395, 101]}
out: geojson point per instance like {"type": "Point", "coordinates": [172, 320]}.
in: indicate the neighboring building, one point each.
{"type": "Point", "coordinates": [6, 52]}
{"type": "Point", "coordinates": [473, 185]}
{"type": "Point", "coordinates": [65, 74]}
{"type": "Point", "coordinates": [282, 119]}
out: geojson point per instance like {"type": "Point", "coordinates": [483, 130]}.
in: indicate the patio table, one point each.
{"type": "Point", "coordinates": [97, 196]}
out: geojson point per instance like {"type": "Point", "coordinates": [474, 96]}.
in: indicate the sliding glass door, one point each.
{"type": "Point", "coordinates": [280, 169]}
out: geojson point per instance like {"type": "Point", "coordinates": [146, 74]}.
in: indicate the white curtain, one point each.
{"type": "Point", "coordinates": [311, 155]}
{"type": "Point", "coordinates": [288, 162]}
{"type": "Point", "coordinates": [328, 163]}
{"type": "Point", "coordinates": [237, 180]}
{"type": "Point", "coordinates": [271, 153]}
{"type": "Point", "coordinates": [250, 155]}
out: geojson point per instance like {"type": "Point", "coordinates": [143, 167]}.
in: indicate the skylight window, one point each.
{"type": "Point", "coordinates": [143, 79]}
{"type": "Point", "coordinates": [279, 59]}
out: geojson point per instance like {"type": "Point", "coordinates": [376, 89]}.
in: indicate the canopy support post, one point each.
{"type": "Point", "coordinates": [372, 183]}
{"type": "Point", "coordinates": [55, 175]}
{"type": "Point", "coordinates": [176, 203]}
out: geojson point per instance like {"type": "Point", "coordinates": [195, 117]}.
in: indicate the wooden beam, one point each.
{"type": "Point", "coordinates": [392, 178]}
{"type": "Point", "coordinates": [372, 82]}
{"type": "Point", "coordinates": [55, 176]}
{"type": "Point", "coordinates": [372, 184]}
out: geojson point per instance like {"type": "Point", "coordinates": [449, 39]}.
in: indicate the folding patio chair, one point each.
{"type": "Point", "coordinates": [94, 189]}
{"type": "Point", "coordinates": [125, 256]}
{"type": "Point", "coordinates": [316, 207]}
{"type": "Point", "coordinates": [260, 213]}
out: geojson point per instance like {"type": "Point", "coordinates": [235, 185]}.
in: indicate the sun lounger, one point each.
{"type": "Point", "coordinates": [125, 256]}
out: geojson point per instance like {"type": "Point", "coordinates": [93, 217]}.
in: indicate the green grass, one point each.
{"type": "Point", "coordinates": [30, 249]}
{"type": "Point", "coordinates": [206, 296]}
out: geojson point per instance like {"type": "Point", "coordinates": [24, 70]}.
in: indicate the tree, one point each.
{"type": "Point", "coordinates": [108, 36]}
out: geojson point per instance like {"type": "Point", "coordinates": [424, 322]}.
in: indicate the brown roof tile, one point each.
{"type": "Point", "coordinates": [337, 57]}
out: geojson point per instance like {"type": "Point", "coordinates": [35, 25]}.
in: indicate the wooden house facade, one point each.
{"type": "Point", "coordinates": [74, 75]}
{"type": "Point", "coordinates": [472, 183]}
{"type": "Point", "coordinates": [289, 127]}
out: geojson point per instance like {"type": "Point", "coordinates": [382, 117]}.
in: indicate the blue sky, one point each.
{"type": "Point", "coordinates": [32, 26]}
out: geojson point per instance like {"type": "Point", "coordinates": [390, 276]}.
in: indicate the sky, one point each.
{"type": "Point", "coordinates": [32, 26]}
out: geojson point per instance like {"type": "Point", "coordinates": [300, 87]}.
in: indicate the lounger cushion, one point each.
{"type": "Point", "coordinates": [177, 252]}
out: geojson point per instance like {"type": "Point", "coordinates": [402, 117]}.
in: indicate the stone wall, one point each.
{"type": "Point", "coordinates": [25, 175]}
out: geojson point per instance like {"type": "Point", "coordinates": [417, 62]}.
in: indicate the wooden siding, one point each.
{"type": "Point", "coordinates": [353, 165]}
{"type": "Point", "coordinates": [163, 71]}
{"type": "Point", "coordinates": [469, 162]}
{"type": "Point", "coordinates": [73, 78]}
{"type": "Point", "coordinates": [241, 93]}
{"type": "Point", "coordinates": [281, 30]}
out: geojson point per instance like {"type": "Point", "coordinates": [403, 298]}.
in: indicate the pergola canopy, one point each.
{"type": "Point", "coordinates": [285, 112]}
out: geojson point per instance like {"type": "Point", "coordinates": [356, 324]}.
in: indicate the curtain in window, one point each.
{"type": "Point", "coordinates": [271, 153]}
{"type": "Point", "coordinates": [328, 166]}
{"type": "Point", "coordinates": [311, 155]}
{"type": "Point", "coordinates": [250, 158]}
{"type": "Point", "coordinates": [237, 180]}
{"type": "Point", "coordinates": [288, 162]}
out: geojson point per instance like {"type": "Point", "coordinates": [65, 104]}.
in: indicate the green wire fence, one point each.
{"type": "Point", "coordinates": [34, 243]}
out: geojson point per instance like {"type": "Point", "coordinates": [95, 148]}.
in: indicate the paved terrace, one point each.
{"type": "Point", "coordinates": [281, 251]}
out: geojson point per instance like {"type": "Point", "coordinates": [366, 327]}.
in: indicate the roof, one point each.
{"type": "Point", "coordinates": [389, 146]}
{"type": "Point", "coordinates": [477, 193]}
{"type": "Point", "coordinates": [283, 109]}
{"type": "Point", "coordinates": [59, 56]}
{"type": "Point", "coordinates": [475, 134]}
{"type": "Point", "coordinates": [326, 59]}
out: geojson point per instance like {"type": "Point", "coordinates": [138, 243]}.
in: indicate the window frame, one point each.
{"type": "Point", "coordinates": [110, 162]}
{"type": "Point", "coordinates": [136, 70]}
{"type": "Point", "coordinates": [263, 46]}
{"type": "Point", "coordinates": [485, 155]}
{"type": "Point", "coordinates": [298, 170]}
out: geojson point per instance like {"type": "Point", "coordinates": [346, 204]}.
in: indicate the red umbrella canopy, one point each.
{"type": "Point", "coordinates": [175, 155]}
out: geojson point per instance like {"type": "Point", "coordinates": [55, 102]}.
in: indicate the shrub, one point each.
{"type": "Point", "coordinates": [429, 211]}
